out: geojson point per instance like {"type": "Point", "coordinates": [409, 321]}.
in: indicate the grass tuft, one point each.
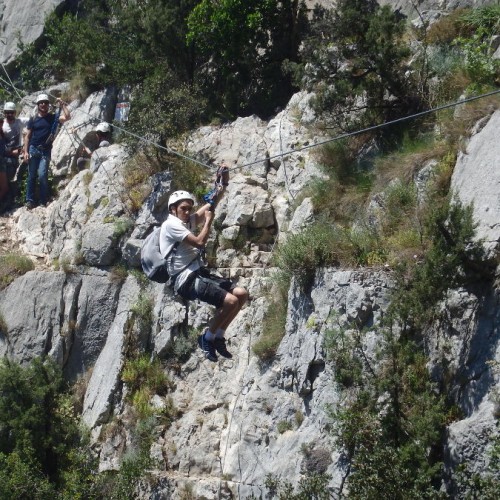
{"type": "Point", "coordinates": [12, 266]}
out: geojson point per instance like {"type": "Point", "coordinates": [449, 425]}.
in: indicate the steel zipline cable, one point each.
{"type": "Point", "coordinates": [369, 129]}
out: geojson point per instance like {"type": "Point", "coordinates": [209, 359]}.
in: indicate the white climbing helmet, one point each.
{"type": "Point", "coordinates": [177, 196]}
{"type": "Point", "coordinates": [42, 97]}
{"type": "Point", "coordinates": [9, 106]}
{"type": "Point", "coordinates": [103, 127]}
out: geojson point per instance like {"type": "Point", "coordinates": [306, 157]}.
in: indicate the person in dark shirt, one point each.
{"type": "Point", "coordinates": [38, 147]}
{"type": "Point", "coordinates": [101, 139]}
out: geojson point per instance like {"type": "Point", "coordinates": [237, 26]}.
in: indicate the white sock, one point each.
{"type": "Point", "coordinates": [219, 334]}
{"type": "Point", "coordinates": [209, 335]}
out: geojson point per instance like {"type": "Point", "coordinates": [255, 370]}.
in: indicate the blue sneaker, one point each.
{"type": "Point", "coordinates": [208, 348]}
{"type": "Point", "coordinates": [220, 347]}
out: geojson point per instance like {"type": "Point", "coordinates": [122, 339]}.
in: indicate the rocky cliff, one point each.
{"type": "Point", "coordinates": [236, 421]}
{"type": "Point", "coordinates": [24, 22]}
{"type": "Point", "coordinates": [229, 433]}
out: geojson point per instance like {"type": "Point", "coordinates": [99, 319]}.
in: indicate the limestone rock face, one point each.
{"type": "Point", "coordinates": [93, 196]}
{"type": "Point", "coordinates": [33, 316]}
{"type": "Point", "coordinates": [98, 107]}
{"type": "Point", "coordinates": [261, 151]}
{"type": "Point", "coordinates": [234, 412]}
{"type": "Point", "coordinates": [105, 380]}
{"type": "Point", "coordinates": [429, 9]}
{"type": "Point", "coordinates": [240, 419]}
{"type": "Point", "coordinates": [432, 9]}
{"type": "Point", "coordinates": [99, 244]}
{"type": "Point", "coordinates": [64, 316]}
{"type": "Point", "coordinates": [464, 348]}
{"type": "Point", "coordinates": [23, 18]}
{"type": "Point", "coordinates": [476, 179]}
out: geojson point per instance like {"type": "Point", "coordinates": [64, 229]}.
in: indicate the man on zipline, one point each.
{"type": "Point", "coordinates": [191, 278]}
{"type": "Point", "coordinates": [41, 129]}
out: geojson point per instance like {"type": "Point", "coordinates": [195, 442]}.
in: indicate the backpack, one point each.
{"type": "Point", "coordinates": [152, 262]}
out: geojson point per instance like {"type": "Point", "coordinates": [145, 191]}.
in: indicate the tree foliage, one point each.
{"type": "Point", "coordinates": [240, 49]}
{"type": "Point", "coordinates": [356, 61]}
{"type": "Point", "coordinates": [168, 50]}
{"type": "Point", "coordinates": [116, 42]}
{"type": "Point", "coordinates": [41, 448]}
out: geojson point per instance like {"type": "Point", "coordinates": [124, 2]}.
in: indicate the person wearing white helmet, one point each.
{"type": "Point", "coordinates": [12, 129]}
{"type": "Point", "coordinates": [3, 171]}
{"type": "Point", "coordinates": [38, 147]}
{"type": "Point", "coordinates": [102, 139]}
{"type": "Point", "coordinates": [191, 278]}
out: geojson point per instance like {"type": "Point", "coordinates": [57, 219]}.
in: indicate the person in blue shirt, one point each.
{"type": "Point", "coordinates": [38, 147]}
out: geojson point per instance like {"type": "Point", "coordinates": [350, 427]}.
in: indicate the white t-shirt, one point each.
{"type": "Point", "coordinates": [185, 259]}
{"type": "Point", "coordinates": [13, 132]}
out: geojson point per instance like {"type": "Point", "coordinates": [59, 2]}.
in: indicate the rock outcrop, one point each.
{"type": "Point", "coordinates": [476, 181]}
{"type": "Point", "coordinates": [240, 419]}
{"type": "Point", "coordinates": [23, 20]}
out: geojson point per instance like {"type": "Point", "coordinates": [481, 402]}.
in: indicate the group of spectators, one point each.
{"type": "Point", "coordinates": [26, 144]}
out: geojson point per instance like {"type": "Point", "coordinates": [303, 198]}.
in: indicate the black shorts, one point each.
{"type": "Point", "coordinates": [207, 287]}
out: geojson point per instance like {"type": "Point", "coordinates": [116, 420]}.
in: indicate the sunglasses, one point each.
{"type": "Point", "coordinates": [8, 112]}
{"type": "Point", "coordinates": [43, 102]}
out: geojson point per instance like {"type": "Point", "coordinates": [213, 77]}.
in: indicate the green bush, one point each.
{"type": "Point", "coordinates": [183, 346]}
{"type": "Point", "coordinates": [343, 193]}
{"type": "Point", "coordinates": [322, 245]}
{"type": "Point", "coordinates": [189, 176]}
{"type": "Point", "coordinates": [283, 426]}
{"type": "Point", "coordinates": [452, 259]}
{"type": "Point", "coordinates": [143, 309]}
{"type": "Point", "coordinates": [144, 379]}
{"type": "Point", "coordinates": [140, 373]}
{"type": "Point", "coordinates": [345, 350]}
{"type": "Point", "coordinates": [122, 226]}
{"type": "Point", "coordinates": [246, 75]}
{"type": "Point", "coordinates": [483, 19]}
{"type": "Point", "coordinates": [20, 479]}
{"type": "Point", "coordinates": [391, 424]}
{"type": "Point", "coordinates": [301, 254]}
{"type": "Point", "coordinates": [43, 452]}
{"type": "Point", "coordinates": [122, 483]}
{"type": "Point", "coordinates": [310, 486]}
{"type": "Point", "coordinates": [4, 328]}
{"type": "Point", "coordinates": [486, 485]}
{"type": "Point", "coordinates": [165, 106]}
{"type": "Point", "coordinates": [463, 50]}
{"type": "Point", "coordinates": [400, 206]}
{"type": "Point", "coordinates": [478, 62]}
